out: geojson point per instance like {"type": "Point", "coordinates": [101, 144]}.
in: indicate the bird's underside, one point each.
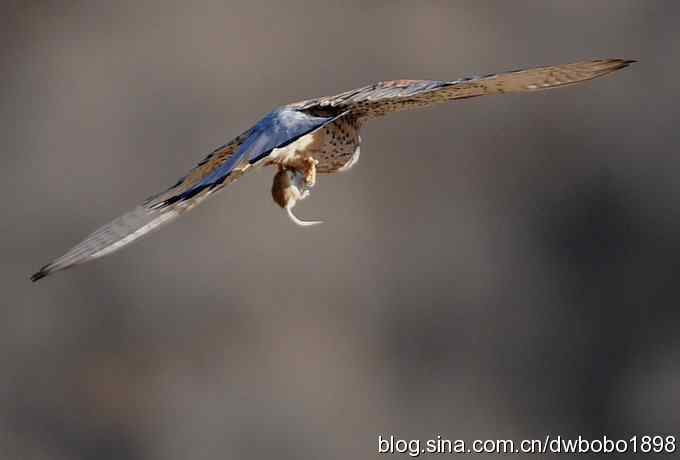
{"type": "Point", "coordinates": [309, 137]}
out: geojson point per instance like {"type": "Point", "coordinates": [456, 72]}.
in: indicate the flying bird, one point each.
{"type": "Point", "coordinates": [303, 139]}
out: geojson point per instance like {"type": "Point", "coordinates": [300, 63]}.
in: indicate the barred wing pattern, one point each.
{"type": "Point", "coordinates": [226, 164]}
{"type": "Point", "coordinates": [397, 95]}
{"type": "Point", "coordinates": [146, 217]}
{"type": "Point", "coordinates": [289, 123]}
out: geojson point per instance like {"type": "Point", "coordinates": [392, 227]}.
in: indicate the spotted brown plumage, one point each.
{"type": "Point", "coordinates": [303, 138]}
{"type": "Point", "coordinates": [396, 95]}
{"type": "Point", "coordinates": [339, 145]}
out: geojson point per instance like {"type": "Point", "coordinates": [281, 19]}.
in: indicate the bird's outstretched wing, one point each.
{"type": "Point", "coordinates": [224, 165]}
{"type": "Point", "coordinates": [396, 95]}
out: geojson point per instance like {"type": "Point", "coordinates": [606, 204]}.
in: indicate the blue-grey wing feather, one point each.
{"type": "Point", "coordinates": [277, 129]}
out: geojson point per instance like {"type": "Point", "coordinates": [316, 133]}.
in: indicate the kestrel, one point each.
{"type": "Point", "coordinates": [309, 137]}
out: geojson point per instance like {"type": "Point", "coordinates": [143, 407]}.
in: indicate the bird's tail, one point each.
{"type": "Point", "coordinates": [111, 237]}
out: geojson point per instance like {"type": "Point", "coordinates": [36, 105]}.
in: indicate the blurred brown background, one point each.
{"type": "Point", "coordinates": [504, 267]}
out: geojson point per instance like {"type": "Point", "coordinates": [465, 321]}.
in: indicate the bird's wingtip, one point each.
{"type": "Point", "coordinates": [627, 62]}
{"type": "Point", "coordinates": [40, 274]}
{"type": "Point", "coordinates": [621, 63]}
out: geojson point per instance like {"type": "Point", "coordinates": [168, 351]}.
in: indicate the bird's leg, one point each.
{"type": "Point", "coordinates": [309, 170]}
{"type": "Point", "coordinates": [307, 167]}
{"type": "Point", "coordinates": [293, 183]}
